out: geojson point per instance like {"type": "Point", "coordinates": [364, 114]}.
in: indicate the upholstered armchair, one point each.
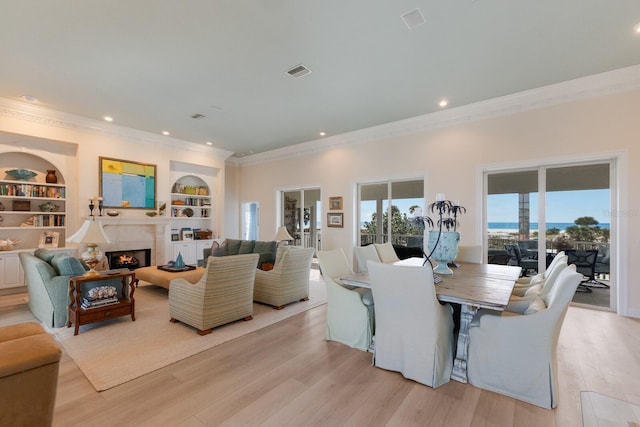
{"type": "Point", "coordinates": [515, 355]}
{"type": "Point", "coordinates": [349, 309]}
{"type": "Point", "coordinates": [364, 254]}
{"type": "Point", "coordinates": [47, 275]}
{"type": "Point", "coordinates": [288, 281]}
{"type": "Point", "coordinates": [224, 294]}
{"type": "Point", "coordinates": [414, 332]}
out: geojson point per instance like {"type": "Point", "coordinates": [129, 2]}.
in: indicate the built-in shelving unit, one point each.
{"type": "Point", "coordinates": [26, 205]}
{"type": "Point", "coordinates": [33, 212]}
{"type": "Point", "coordinates": [191, 213]}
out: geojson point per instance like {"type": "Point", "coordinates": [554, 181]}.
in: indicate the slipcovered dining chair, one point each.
{"type": "Point", "coordinates": [364, 254]}
{"type": "Point", "coordinates": [414, 332]}
{"type": "Point", "coordinates": [288, 281]}
{"type": "Point", "coordinates": [515, 355]}
{"type": "Point", "coordinates": [350, 318]}
{"type": "Point", "coordinates": [224, 293]}
{"type": "Point", "coordinates": [471, 254]}
{"type": "Point", "coordinates": [386, 253]}
{"type": "Point", "coordinates": [525, 284]}
{"type": "Point", "coordinates": [520, 304]}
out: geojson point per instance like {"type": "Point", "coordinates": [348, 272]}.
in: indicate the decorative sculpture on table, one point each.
{"type": "Point", "coordinates": [443, 244]}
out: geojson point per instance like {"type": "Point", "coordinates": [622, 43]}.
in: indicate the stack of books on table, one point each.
{"type": "Point", "coordinates": [98, 302]}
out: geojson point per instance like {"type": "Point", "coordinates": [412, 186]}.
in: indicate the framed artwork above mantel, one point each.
{"type": "Point", "coordinates": [127, 185]}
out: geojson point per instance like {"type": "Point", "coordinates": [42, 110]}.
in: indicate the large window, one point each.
{"type": "Point", "coordinates": [390, 212]}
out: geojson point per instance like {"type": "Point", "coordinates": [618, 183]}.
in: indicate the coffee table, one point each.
{"type": "Point", "coordinates": [163, 278]}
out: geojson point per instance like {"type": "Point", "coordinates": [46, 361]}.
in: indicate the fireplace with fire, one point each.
{"type": "Point", "coordinates": [130, 259]}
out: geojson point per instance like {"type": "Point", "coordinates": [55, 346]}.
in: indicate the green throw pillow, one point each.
{"type": "Point", "coordinates": [233, 246]}
{"type": "Point", "coordinates": [66, 265]}
{"type": "Point", "coordinates": [246, 247]}
{"type": "Point", "coordinates": [45, 254]}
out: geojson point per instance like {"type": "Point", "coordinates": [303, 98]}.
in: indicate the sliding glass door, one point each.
{"type": "Point", "coordinates": [551, 208]}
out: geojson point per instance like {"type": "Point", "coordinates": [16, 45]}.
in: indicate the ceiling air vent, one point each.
{"type": "Point", "coordinates": [299, 71]}
{"type": "Point", "coordinates": [413, 18]}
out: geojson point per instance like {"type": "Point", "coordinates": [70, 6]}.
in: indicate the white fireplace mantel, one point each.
{"type": "Point", "coordinates": [116, 220]}
{"type": "Point", "coordinates": [128, 233]}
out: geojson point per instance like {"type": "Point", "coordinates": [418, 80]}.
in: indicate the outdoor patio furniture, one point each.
{"type": "Point", "coordinates": [498, 257]}
{"type": "Point", "coordinates": [585, 261]}
{"type": "Point", "coordinates": [526, 263]}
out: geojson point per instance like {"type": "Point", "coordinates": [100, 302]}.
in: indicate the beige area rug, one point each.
{"type": "Point", "coordinates": [116, 351]}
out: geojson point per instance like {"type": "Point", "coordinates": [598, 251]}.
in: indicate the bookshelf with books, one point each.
{"type": "Point", "coordinates": [28, 209]}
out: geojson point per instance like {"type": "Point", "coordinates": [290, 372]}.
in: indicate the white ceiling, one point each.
{"type": "Point", "coordinates": [153, 64]}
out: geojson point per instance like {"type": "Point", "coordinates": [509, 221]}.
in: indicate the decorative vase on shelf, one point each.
{"type": "Point", "coordinates": [51, 177]}
{"type": "Point", "coordinates": [445, 251]}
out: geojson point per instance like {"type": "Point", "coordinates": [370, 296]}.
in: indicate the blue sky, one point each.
{"type": "Point", "coordinates": [562, 206]}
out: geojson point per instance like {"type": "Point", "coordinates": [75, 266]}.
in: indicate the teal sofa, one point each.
{"type": "Point", "coordinates": [266, 250]}
{"type": "Point", "coordinates": [47, 275]}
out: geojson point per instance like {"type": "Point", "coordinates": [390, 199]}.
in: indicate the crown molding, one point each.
{"type": "Point", "coordinates": [611, 82]}
{"type": "Point", "coordinates": [44, 116]}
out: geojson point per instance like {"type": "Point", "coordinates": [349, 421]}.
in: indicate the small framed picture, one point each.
{"type": "Point", "coordinates": [335, 203]}
{"type": "Point", "coordinates": [49, 239]}
{"type": "Point", "coordinates": [335, 220]}
{"type": "Point", "coordinates": [187, 234]}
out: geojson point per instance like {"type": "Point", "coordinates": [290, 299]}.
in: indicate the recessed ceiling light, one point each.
{"type": "Point", "coordinates": [443, 103]}
{"type": "Point", "coordinates": [165, 132]}
{"type": "Point", "coordinates": [108, 118]}
{"type": "Point", "coordinates": [636, 29]}
{"type": "Point", "coordinates": [29, 98]}
{"type": "Point", "coordinates": [209, 143]}
{"type": "Point", "coordinates": [323, 133]}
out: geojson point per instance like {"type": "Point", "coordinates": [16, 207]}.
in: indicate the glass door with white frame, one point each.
{"type": "Point", "coordinates": [534, 214]}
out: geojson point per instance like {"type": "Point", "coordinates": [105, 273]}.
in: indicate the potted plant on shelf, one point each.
{"type": "Point", "coordinates": [443, 242]}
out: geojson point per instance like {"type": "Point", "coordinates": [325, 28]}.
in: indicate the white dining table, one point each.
{"type": "Point", "coordinates": [473, 286]}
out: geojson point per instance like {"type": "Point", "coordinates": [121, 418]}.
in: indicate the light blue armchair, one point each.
{"type": "Point", "coordinates": [47, 274]}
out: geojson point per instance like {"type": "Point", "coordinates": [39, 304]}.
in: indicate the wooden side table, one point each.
{"type": "Point", "coordinates": [124, 306]}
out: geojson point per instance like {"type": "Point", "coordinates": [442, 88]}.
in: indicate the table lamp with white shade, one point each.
{"type": "Point", "coordinates": [92, 234]}
{"type": "Point", "coordinates": [282, 236]}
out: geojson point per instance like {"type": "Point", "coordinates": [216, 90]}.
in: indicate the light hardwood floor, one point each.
{"type": "Point", "coordinates": [287, 374]}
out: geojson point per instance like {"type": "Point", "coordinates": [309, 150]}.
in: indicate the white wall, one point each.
{"type": "Point", "coordinates": [451, 158]}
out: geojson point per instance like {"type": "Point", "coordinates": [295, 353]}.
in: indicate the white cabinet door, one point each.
{"type": "Point", "coordinates": [187, 250]}
{"type": "Point", "coordinates": [11, 274]}
{"type": "Point", "coordinates": [201, 245]}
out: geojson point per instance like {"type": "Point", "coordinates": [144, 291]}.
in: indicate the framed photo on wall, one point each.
{"type": "Point", "coordinates": [49, 239]}
{"type": "Point", "coordinates": [335, 220]}
{"type": "Point", "coordinates": [335, 203]}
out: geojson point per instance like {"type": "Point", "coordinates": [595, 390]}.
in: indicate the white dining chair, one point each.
{"type": "Point", "coordinates": [386, 252]}
{"type": "Point", "coordinates": [471, 254]}
{"type": "Point", "coordinates": [524, 283]}
{"type": "Point", "coordinates": [350, 312]}
{"type": "Point", "coordinates": [515, 355]}
{"type": "Point", "coordinates": [414, 332]}
{"type": "Point", "coordinates": [364, 254]}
